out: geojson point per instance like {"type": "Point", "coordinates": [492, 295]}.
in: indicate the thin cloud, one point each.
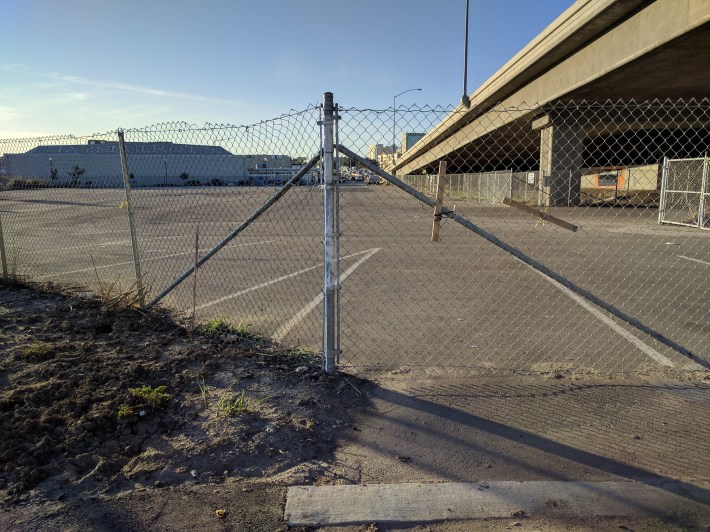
{"type": "Point", "coordinates": [15, 67]}
{"type": "Point", "coordinates": [117, 85]}
{"type": "Point", "coordinates": [8, 114]}
{"type": "Point", "coordinates": [128, 87]}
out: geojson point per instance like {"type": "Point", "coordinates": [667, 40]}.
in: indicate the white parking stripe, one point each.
{"type": "Point", "coordinates": [273, 281]}
{"type": "Point", "coordinates": [694, 260]}
{"type": "Point", "coordinates": [290, 324]}
{"type": "Point", "coordinates": [145, 260]}
{"type": "Point", "coordinates": [104, 244]}
{"type": "Point", "coordinates": [594, 311]}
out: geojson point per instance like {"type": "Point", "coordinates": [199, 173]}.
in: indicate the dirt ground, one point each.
{"type": "Point", "coordinates": [116, 419]}
{"type": "Point", "coordinates": [86, 445]}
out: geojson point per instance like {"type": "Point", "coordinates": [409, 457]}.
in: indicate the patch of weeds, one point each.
{"type": "Point", "coordinates": [124, 411]}
{"type": "Point", "coordinates": [39, 350]}
{"type": "Point", "coordinates": [203, 390]}
{"type": "Point", "coordinates": [302, 352]}
{"type": "Point", "coordinates": [238, 404]}
{"type": "Point", "coordinates": [222, 326]}
{"type": "Point", "coordinates": [153, 397]}
{"type": "Point", "coordinates": [115, 297]}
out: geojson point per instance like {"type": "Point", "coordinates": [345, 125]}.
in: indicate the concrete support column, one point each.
{"type": "Point", "coordinates": [561, 159]}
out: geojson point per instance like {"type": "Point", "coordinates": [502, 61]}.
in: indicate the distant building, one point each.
{"type": "Point", "coordinates": [383, 154]}
{"type": "Point", "coordinates": [380, 153]}
{"type": "Point", "coordinates": [409, 140]}
{"type": "Point", "coordinates": [150, 164]}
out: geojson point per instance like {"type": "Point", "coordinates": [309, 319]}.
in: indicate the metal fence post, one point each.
{"type": "Point", "coordinates": [510, 180]}
{"type": "Point", "coordinates": [664, 184]}
{"type": "Point", "coordinates": [703, 193]}
{"type": "Point", "coordinates": [330, 240]}
{"type": "Point", "coordinates": [131, 218]}
{"type": "Point", "coordinates": [3, 256]}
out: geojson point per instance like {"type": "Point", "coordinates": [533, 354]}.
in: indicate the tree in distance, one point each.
{"type": "Point", "coordinates": [76, 174]}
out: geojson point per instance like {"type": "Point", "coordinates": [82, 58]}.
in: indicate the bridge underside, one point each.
{"type": "Point", "coordinates": [599, 124]}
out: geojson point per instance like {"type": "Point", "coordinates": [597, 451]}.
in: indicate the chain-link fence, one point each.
{"type": "Point", "coordinates": [484, 187]}
{"type": "Point", "coordinates": [65, 215]}
{"type": "Point", "coordinates": [584, 180]}
{"type": "Point", "coordinates": [549, 255]}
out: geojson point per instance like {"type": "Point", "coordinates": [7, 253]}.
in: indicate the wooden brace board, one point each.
{"type": "Point", "coordinates": [542, 215]}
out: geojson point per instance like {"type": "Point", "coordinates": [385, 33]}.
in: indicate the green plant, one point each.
{"type": "Point", "coordinates": [153, 397]}
{"type": "Point", "coordinates": [236, 405]}
{"type": "Point", "coordinates": [302, 352]}
{"type": "Point", "coordinates": [38, 350]}
{"type": "Point", "coordinates": [222, 326]}
{"type": "Point", "coordinates": [124, 411]}
{"type": "Point", "coordinates": [203, 390]}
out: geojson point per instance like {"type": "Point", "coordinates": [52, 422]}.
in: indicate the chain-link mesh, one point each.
{"type": "Point", "coordinates": [463, 303]}
{"type": "Point", "coordinates": [271, 272]}
{"type": "Point", "coordinates": [62, 210]}
{"type": "Point", "coordinates": [190, 187]}
{"type": "Point", "coordinates": [580, 188]}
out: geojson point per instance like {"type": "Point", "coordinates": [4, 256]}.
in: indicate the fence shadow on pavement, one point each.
{"type": "Point", "coordinates": [550, 430]}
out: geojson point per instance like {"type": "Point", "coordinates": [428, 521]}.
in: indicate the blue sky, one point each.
{"type": "Point", "coordinates": [84, 66]}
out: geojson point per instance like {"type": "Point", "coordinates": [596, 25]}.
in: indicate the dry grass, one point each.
{"type": "Point", "coordinates": [115, 297]}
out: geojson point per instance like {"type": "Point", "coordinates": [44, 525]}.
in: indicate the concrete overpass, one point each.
{"type": "Point", "coordinates": [596, 50]}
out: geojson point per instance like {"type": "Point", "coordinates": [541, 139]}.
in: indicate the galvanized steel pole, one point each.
{"type": "Point", "coordinates": [131, 220]}
{"type": "Point", "coordinates": [703, 188]}
{"type": "Point", "coordinates": [330, 240]}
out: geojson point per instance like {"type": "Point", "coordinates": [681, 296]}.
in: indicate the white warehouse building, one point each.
{"type": "Point", "coordinates": [149, 164]}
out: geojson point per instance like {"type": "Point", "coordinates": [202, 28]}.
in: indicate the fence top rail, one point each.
{"type": "Point", "coordinates": [688, 159]}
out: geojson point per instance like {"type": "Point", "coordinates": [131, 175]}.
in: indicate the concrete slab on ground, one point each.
{"type": "Point", "coordinates": [425, 503]}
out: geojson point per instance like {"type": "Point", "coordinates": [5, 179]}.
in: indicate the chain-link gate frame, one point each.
{"type": "Point", "coordinates": [685, 192]}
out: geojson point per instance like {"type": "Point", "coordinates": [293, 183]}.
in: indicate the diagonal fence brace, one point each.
{"type": "Point", "coordinates": [490, 237]}
{"type": "Point", "coordinates": [261, 210]}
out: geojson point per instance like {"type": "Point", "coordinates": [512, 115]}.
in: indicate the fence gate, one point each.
{"type": "Point", "coordinates": [685, 193]}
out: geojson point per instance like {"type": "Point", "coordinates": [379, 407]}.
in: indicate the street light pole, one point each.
{"type": "Point", "coordinates": [465, 101]}
{"type": "Point", "coordinates": [394, 121]}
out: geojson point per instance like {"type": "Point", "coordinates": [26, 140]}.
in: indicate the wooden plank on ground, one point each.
{"type": "Point", "coordinates": [418, 502]}
{"type": "Point", "coordinates": [441, 181]}
{"type": "Point", "coordinates": [540, 214]}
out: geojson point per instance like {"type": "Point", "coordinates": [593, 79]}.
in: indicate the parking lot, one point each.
{"type": "Point", "coordinates": [407, 304]}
